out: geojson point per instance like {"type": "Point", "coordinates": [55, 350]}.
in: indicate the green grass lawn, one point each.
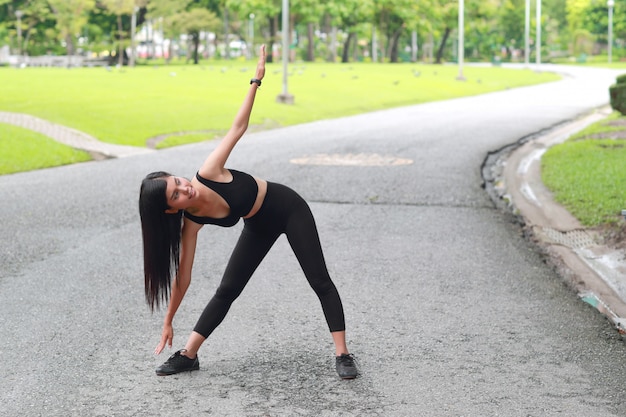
{"type": "Point", "coordinates": [25, 150]}
{"type": "Point", "coordinates": [587, 173]}
{"type": "Point", "coordinates": [130, 106]}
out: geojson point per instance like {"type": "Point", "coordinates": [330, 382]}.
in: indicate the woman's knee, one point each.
{"type": "Point", "coordinates": [227, 293]}
{"type": "Point", "coordinates": [323, 287]}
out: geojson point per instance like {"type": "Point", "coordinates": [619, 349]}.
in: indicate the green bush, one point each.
{"type": "Point", "coordinates": [617, 93]}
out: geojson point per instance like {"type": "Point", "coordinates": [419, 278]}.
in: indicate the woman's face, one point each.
{"type": "Point", "coordinates": [179, 193]}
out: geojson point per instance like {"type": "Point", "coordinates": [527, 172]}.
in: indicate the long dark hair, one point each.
{"type": "Point", "coordinates": [161, 239]}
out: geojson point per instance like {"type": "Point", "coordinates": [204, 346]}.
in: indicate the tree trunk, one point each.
{"type": "Point", "coordinates": [149, 39]}
{"type": "Point", "coordinates": [195, 39]}
{"type": "Point", "coordinates": [428, 49]}
{"type": "Point", "coordinates": [374, 45]}
{"type": "Point", "coordinates": [332, 49]}
{"type": "Point", "coordinates": [346, 48]}
{"type": "Point", "coordinates": [442, 45]}
{"type": "Point", "coordinates": [120, 61]}
{"type": "Point", "coordinates": [382, 45]}
{"type": "Point", "coordinates": [226, 36]}
{"type": "Point", "coordinates": [393, 49]}
{"type": "Point", "coordinates": [273, 21]}
{"type": "Point", "coordinates": [70, 44]}
{"type": "Point", "coordinates": [311, 43]}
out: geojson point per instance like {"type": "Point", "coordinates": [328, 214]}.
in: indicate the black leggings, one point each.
{"type": "Point", "coordinates": [283, 211]}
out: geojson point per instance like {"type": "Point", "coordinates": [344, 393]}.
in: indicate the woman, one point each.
{"type": "Point", "coordinates": [173, 210]}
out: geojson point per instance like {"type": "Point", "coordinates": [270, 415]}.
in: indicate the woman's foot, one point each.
{"type": "Point", "coordinates": [346, 366]}
{"type": "Point", "coordinates": [178, 363]}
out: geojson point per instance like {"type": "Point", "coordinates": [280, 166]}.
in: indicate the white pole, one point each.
{"type": "Point", "coordinates": [285, 43]}
{"type": "Point", "coordinates": [251, 36]}
{"type": "Point", "coordinates": [285, 97]}
{"type": "Point", "coordinates": [527, 34]}
{"type": "Point", "coordinates": [461, 39]}
{"type": "Point", "coordinates": [610, 3]}
{"type": "Point", "coordinates": [538, 53]}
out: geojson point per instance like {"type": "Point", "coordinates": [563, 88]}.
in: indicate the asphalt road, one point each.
{"type": "Point", "coordinates": [450, 311]}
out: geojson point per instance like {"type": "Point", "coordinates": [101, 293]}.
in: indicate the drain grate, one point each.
{"type": "Point", "coordinates": [576, 239]}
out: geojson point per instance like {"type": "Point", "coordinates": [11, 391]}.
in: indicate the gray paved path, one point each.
{"type": "Point", "coordinates": [450, 310]}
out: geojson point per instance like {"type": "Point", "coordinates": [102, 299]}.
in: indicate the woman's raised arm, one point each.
{"type": "Point", "coordinates": [213, 166]}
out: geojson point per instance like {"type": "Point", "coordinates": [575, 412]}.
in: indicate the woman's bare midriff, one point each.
{"type": "Point", "coordinates": [262, 184]}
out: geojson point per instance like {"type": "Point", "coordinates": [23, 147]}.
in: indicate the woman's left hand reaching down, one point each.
{"type": "Point", "coordinates": [167, 336]}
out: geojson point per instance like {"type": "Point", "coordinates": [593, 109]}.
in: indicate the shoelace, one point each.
{"type": "Point", "coordinates": [178, 357]}
{"type": "Point", "coordinates": [347, 359]}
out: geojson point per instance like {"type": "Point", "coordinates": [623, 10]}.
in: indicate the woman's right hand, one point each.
{"type": "Point", "coordinates": [167, 335]}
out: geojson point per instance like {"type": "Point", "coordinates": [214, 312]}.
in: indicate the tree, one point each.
{"type": "Point", "coordinates": [193, 22]}
{"type": "Point", "coordinates": [481, 28]}
{"type": "Point", "coordinates": [512, 24]}
{"type": "Point", "coordinates": [595, 20]}
{"type": "Point", "coordinates": [348, 14]}
{"type": "Point", "coordinates": [575, 16]}
{"type": "Point", "coordinates": [394, 17]}
{"type": "Point", "coordinates": [173, 25]}
{"type": "Point", "coordinates": [489, 24]}
{"type": "Point", "coordinates": [268, 10]}
{"type": "Point", "coordinates": [36, 18]}
{"type": "Point", "coordinates": [575, 10]}
{"type": "Point", "coordinates": [120, 8]}
{"type": "Point", "coordinates": [446, 16]}
{"type": "Point", "coordinates": [308, 12]}
{"type": "Point", "coordinates": [71, 16]}
{"type": "Point", "coordinates": [556, 16]}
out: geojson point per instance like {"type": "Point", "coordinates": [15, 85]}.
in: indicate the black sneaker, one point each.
{"type": "Point", "coordinates": [346, 366]}
{"type": "Point", "coordinates": [178, 363]}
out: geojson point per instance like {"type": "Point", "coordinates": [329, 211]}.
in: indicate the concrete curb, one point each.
{"type": "Point", "coordinates": [70, 137]}
{"type": "Point", "coordinates": [597, 272]}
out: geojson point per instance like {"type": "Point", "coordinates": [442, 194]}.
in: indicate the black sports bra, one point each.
{"type": "Point", "coordinates": [240, 195]}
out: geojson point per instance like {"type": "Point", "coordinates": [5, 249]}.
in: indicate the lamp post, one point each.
{"type": "Point", "coordinates": [461, 39]}
{"type": "Point", "coordinates": [285, 97]}
{"type": "Point", "coordinates": [251, 35]}
{"type": "Point", "coordinates": [610, 3]}
{"type": "Point", "coordinates": [19, 14]}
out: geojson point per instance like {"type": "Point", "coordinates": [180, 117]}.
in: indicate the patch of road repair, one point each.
{"type": "Point", "coordinates": [350, 159]}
